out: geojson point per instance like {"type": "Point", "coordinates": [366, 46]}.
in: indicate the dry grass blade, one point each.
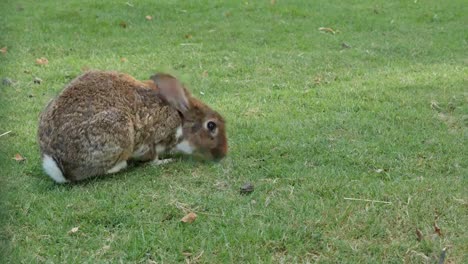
{"type": "Point", "coordinates": [367, 200]}
{"type": "Point", "coordinates": [182, 206]}
{"type": "Point", "coordinates": [6, 133]}
{"type": "Point", "coordinates": [435, 106]}
{"type": "Point", "coordinates": [327, 30]}
{"type": "Point", "coordinates": [73, 230]}
{"type": "Point", "coordinates": [189, 259]}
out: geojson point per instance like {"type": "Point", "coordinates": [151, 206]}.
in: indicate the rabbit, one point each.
{"type": "Point", "coordinates": [104, 119]}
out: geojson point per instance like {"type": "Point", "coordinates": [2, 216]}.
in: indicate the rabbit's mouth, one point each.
{"type": "Point", "coordinates": [185, 147]}
{"type": "Point", "coordinates": [216, 154]}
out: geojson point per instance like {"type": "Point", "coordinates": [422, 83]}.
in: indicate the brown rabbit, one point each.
{"type": "Point", "coordinates": [103, 119]}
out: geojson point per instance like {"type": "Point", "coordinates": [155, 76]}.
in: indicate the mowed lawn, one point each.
{"type": "Point", "coordinates": [349, 118]}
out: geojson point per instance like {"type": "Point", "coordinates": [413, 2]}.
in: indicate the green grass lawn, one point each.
{"type": "Point", "coordinates": [376, 111]}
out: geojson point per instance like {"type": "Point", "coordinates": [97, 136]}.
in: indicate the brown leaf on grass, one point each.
{"type": "Point", "coordinates": [4, 50]}
{"type": "Point", "coordinates": [189, 218]}
{"type": "Point", "coordinates": [419, 234]}
{"type": "Point", "coordinates": [123, 60]}
{"type": "Point", "coordinates": [188, 36]}
{"type": "Point", "coordinates": [18, 157]}
{"type": "Point", "coordinates": [42, 61]}
{"type": "Point", "coordinates": [272, 2]}
{"type": "Point", "coordinates": [123, 24]}
{"type": "Point", "coordinates": [73, 230]}
{"type": "Point", "coordinates": [148, 17]}
{"type": "Point", "coordinates": [328, 30]}
{"type": "Point", "coordinates": [437, 229]}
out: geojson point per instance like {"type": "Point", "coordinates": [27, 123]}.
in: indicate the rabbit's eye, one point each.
{"type": "Point", "coordinates": [211, 126]}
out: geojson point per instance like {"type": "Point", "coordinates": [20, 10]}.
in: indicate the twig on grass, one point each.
{"type": "Point", "coordinates": [6, 133]}
{"type": "Point", "coordinates": [189, 44]}
{"type": "Point", "coordinates": [419, 254]}
{"type": "Point", "coordinates": [209, 214]}
{"type": "Point", "coordinates": [367, 200]}
{"type": "Point", "coordinates": [187, 209]}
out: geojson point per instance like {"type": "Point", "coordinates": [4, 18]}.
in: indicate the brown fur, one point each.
{"type": "Point", "coordinates": [102, 118]}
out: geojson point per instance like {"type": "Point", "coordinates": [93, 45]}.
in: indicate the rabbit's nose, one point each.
{"type": "Point", "coordinates": [220, 152]}
{"type": "Point", "coordinates": [218, 158]}
{"type": "Point", "coordinates": [218, 155]}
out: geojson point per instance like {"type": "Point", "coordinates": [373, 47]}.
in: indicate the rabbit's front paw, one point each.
{"type": "Point", "coordinates": [158, 162]}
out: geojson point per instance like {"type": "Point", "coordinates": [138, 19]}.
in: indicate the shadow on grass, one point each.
{"type": "Point", "coordinates": [132, 166]}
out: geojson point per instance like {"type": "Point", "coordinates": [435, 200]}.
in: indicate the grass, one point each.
{"type": "Point", "coordinates": [310, 123]}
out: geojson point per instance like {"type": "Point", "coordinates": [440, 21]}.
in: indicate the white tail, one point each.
{"type": "Point", "coordinates": [51, 168]}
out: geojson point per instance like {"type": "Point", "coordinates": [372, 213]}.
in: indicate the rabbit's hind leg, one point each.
{"type": "Point", "coordinates": [109, 144]}
{"type": "Point", "coordinates": [118, 167]}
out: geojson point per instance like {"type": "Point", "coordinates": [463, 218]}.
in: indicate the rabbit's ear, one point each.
{"type": "Point", "coordinates": [172, 91]}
